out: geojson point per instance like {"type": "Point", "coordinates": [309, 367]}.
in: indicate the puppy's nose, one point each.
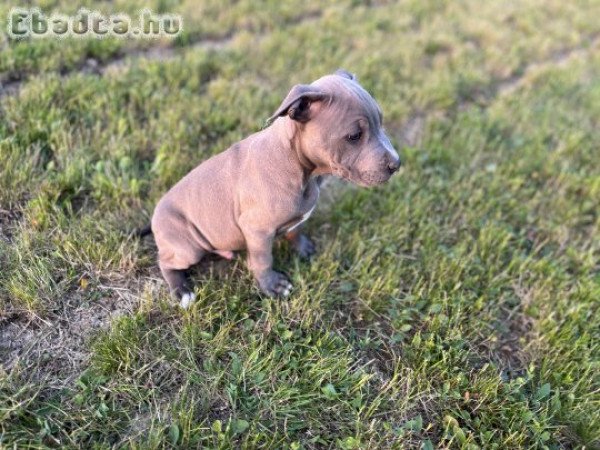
{"type": "Point", "coordinates": [394, 166]}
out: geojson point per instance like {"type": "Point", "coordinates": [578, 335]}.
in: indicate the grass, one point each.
{"type": "Point", "coordinates": [454, 307]}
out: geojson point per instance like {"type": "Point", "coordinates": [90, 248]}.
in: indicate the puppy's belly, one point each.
{"type": "Point", "coordinates": [219, 236]}
{"type": "Point", "coordinates": [185, 238]}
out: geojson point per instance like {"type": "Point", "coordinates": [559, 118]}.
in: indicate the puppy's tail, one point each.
{"type": "Point", "coordinates": [143, 232]}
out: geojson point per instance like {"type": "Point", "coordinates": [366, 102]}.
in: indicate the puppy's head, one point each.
{"type": "Point", "coordinates": [339, 129]}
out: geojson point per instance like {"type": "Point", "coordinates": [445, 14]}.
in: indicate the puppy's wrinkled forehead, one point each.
{"type": "Point", "coordinates": [350, 97]}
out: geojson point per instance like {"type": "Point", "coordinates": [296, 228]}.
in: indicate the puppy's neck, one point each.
{"type": "Point", "coordinates": [289, 132]}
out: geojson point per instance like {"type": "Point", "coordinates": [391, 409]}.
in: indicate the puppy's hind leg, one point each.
{"type": "Point", "coordinates": [177, 252]}
{"type": "Point", "coordinates": [179, 285]}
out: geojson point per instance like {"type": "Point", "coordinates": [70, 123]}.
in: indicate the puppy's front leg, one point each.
{"type": "Point", "coordinates": [260, 262]}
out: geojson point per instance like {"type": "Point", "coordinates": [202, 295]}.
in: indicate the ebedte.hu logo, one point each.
{"type": "Point", "coordinates": [32, 22]}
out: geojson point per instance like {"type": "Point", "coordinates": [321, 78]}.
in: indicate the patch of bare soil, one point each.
{"type": "Point", "coordinates": [510, 349]}
{"type": "Point", "coordinates": [56, 347]}
{"type": "Point", "coordinates": [557, 59]}
{"type": "Point", "coordinates": [8, 221]}
{"type": "Point", "coordinates": [410, 132]}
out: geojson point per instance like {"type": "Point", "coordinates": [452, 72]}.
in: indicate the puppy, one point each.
{"type": "Point", "coordinates": [268, 184]}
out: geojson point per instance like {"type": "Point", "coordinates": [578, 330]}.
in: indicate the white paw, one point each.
{"type": "Point", "coordinates": [287, 288]}
{"type": "Point", "coordinates": [187, 299]}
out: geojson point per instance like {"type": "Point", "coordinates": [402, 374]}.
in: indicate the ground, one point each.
{"type": "Point", "coordinates": [454, 307]}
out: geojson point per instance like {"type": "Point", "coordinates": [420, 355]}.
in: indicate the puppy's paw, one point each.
{"type": "Point", "coordinates": [187, 299]}
{"type": "Point", "coordinates": [304, 246]}
{"type": "Point", "coordinates": [275, 284]}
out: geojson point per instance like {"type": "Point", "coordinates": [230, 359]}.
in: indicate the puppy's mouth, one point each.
{"type": "Point", "coordinates": [363, 179]}
{"type": "Point", "coordinates": [369, 180]}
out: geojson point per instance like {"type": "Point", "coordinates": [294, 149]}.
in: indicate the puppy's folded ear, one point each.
{"type": "Point", "coordinates": [297, 104]}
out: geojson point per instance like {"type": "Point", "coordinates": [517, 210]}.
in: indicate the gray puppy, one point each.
{"type": "Point", "coordinates": [268, 184]}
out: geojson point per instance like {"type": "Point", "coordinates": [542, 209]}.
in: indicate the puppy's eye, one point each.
{"type": "Point", "coordinates": [354, 136]}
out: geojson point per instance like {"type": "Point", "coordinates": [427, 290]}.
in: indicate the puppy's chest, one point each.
{"type": "Point", "coordinates": [306, 206]}
{"type": "Point", "coordinates": [296, 222]}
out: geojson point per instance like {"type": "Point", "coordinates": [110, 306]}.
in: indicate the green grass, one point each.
{"type": "Point", "coordinates": [456, 306]}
